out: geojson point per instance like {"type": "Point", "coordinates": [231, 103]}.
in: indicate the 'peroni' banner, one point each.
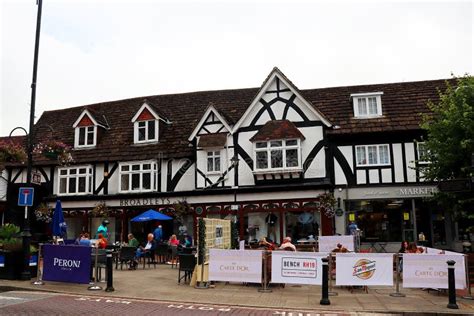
{"type": "Point", "coordinates": [66, 263]}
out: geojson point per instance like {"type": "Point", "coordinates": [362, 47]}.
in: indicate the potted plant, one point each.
{"type": "Point", "coordinates": [100, 210]}
{"type": "Point", "coordinates": [11, 153]}
{"type": "Point", "coordinates": [11, 253]}
{"type": "Point", "coordinates": [53, 149]}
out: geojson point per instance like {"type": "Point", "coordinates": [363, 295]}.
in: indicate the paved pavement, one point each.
{"type": "Point", "coordinates": [24, 303]}
{"type": "Point", "coordinates": [160, 284]}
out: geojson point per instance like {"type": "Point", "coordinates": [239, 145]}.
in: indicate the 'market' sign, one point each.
{"type": "Point", "coordinates": [66, 263]}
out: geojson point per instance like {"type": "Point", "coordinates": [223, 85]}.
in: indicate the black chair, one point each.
{"type": "Point", "coordinates": [101, 261]}
{"type": "Point", "coordinates": [149, 257]}
{"type": "Point", "coordinates": [174, 256]}
{"type": "Point", "coordinates": [187, 262]}
{"type": "Point", "coordinates": [126, 255]}
{"type": "Point", "coordinates": [187, 250]}
{"type": "Point", "coordinates": [162, 253]}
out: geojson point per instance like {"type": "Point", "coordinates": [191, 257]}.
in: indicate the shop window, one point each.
{"type": "Point", "coordinates": [384, 220]}
{"type": "Point", "coordinates": [75, 180]}
{"type": "Point", "coordinates": [213, 161]}
{"type": "Point", "coordinates": [138, 177]}
{"type": "Point", "coordinates": [278, 155]}
{"type": "Point", "coordinates": [372, 155]}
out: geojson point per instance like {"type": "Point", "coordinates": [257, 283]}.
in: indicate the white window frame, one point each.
{"type": "Point", "coordinates": [367, 164]}
{"type": "Point", "coordinates": [283, 148]}
{"type": "Point", "coordinates": [213, 157]}
{"type": "Point", "coordinates": [418, 152]}
{"type": "Point", "coordinates": [147, 139]}
{"type": "Point", "coordinates": [357, 96]}
{"type": "Point", "coordinates": [153, 178]}
{"type": "Point", "coordinates": [77, 175]}
{"type": "Point", "coordinates": [85, 145]}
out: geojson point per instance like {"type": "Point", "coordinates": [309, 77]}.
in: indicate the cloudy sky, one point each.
{"type": "Point", "coordinates": [100, 50]}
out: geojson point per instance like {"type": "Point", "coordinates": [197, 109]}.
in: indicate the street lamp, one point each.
{"type": "Point", "coordinates": [26, 233]}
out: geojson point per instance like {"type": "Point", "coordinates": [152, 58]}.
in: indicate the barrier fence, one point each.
{"type": "Point", "coordinates": [349, 269]}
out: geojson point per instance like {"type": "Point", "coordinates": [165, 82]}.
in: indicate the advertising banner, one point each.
{"type": "Point", "coordinates": [364, 269]}
{"type": "Point", "coordinates": [235, 265]}
{"type": "Point", "coordinates": [329, 243]}
{"type": "Point", "coordinates": [297, 267]}
{"type": "Point", "coordinates": [66, 263]}
{"type": "Point", "coordinates": [431, 271]}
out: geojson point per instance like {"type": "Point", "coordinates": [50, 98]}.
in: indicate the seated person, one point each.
{"type": "Point", "coordinates": [263, 243]}
{"type": "Point", "coordinates": [287, 245]}
{"type": "Point", "coordinates": [132, 241]}
{"type": "Point", "coordinates": [85, 241]}
{"type": "Point", "coordinates": [142, 251]}
{"type": "Point", "coordinates": [173, 241]}
{"type": "Point", "coordinates": [188, 241]}
{"type": "Point", "coordinates": [340, 248]}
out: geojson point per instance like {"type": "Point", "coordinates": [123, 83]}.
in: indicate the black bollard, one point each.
{"type": "Point", "coordinates": [325, 294]}
{"type": "Point", "coordinates": [110, 269]}
{"type": "Point", "coordinates": [451, 285]}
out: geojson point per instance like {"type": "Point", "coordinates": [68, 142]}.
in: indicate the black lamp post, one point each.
{"type": "Point", "coordinates": [26, 233]}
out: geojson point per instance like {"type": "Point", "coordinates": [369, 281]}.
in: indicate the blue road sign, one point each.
{"type": "Point", "coordinates": [25, 196]}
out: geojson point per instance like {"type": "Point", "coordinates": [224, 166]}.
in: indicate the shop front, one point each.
{"type": "Point", "coordinates": [389, 215]}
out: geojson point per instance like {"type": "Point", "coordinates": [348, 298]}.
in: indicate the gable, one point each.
{"type": "Point", "coordinates": [211, 122]}
{"type": "Point", "coordinates": [145, 115]}
{"type": "Point", "coordinates": [85, 121]}
{"type": "Point", "coordinates": [279, 99]}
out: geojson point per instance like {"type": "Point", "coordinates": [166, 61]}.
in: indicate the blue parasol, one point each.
{"type": "Point", "coordinates": [151, 215]}
{"type": "Point", "coordinates": [59, 225]}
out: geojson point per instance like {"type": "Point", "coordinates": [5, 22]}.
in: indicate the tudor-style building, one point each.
{"type": "Point", "coordinates": [264, 155]}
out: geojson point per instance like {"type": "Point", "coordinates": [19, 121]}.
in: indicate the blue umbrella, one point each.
{"type": "Point", "coordinates": [151, 215]}
{"type": "Point", "coordinates": [59, 225]}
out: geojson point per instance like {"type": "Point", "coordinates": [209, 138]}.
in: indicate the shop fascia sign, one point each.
{"type": "Point", "coordinates": [401, 192]}
{"type": "Point", "coordinates": [145, 202]}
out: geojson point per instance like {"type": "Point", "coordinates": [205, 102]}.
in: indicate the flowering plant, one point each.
{"type": "Point", "coordinates": [44, 213]}
{"type": "Point", "coordinates": [327, 203]}
{"type": "Point", "coordinates": [53, 149]}
{"type": "Point", "coordinates": [100, 210]}
{"type": "Point", "coordinates": [11, 152]}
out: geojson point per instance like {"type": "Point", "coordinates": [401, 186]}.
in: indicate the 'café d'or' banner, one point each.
{"type": "Point", "coordinates": [431, 271]}
{"type": "Point", "coordinates": [235, 265]}
{"type": "Point", "coordinates": [66, 263]}
{"type": "Point", "coordinates": [297, 267]}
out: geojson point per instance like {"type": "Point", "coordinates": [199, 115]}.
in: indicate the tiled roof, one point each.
{"type": "Point", "coordinates": [278, 129]}
{"type": "Point", "coordinates": [212, 140]}
{"type": "Point", "coordinates": [401, 105]}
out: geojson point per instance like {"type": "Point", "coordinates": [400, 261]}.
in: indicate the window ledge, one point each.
{"type": "Point", "coordinates": [214, 173]}
{"type": "Point", "coordinates": [279, 171]}
{"type": "Point", "coordinates": [85, 147]}
{"type": "Point", "coordinates": [151, 142]}
{"type": "Point", "coordinates": [368, 117]}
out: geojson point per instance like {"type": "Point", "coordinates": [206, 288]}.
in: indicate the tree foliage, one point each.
{"type": "Point", "coordinates": [450, 143]}
{"type": "Point", "coordinates": [450, 131]}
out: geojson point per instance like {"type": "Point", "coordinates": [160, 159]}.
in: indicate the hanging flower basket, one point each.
{"type": "Point", "coordinates": [11, 153]}
{"type": "Point", "coordinates": [100, 210]}
{"type": "Point", "coordinates": [327, 204]}
{"type": "Point", "coordinates": [55, 150]}
{"type": "Point", "coordinates": [44, 213]}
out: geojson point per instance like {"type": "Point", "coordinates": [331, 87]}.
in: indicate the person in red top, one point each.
{"type": "Point", "coordinates": [173, 241]}
{"type": "Point", "coordinates": [101, 242]}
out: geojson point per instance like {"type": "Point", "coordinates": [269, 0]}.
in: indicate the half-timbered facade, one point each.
{"type": "Point", "coordinates": [263, 156]}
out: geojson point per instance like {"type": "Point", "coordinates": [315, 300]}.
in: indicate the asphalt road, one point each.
{"type": "Point", "coordinates": [40, 303]}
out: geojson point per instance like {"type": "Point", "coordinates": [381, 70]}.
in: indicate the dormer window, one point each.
{"type": "Point", "coordinates": [367, 105]}
{"type": "Point", "coordinates": [145, 125]}
{"type": "Point", "coordinates": [85, 131]}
